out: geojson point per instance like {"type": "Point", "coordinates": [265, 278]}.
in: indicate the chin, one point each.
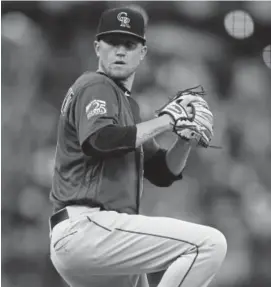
{"type": "Point", "coordinates": [118, 77]}
{"type": "Point", "coordinates": [119, 74]}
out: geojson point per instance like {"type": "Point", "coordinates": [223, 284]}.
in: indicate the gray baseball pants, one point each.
{"type": "Point", "coordinates": [96, 248]}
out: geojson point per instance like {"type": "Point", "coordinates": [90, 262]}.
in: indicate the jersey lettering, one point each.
{"type": "Point", "coordinates": [67, 101]}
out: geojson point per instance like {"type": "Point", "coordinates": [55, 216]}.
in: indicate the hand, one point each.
{"type": "Point", "coordinates": [180, 111]}
{"type": "Point", "coordinates": [203, 117]}
{"type": "Point", "coordinates": [191, 117]}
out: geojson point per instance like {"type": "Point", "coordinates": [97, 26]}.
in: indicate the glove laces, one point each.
{"type": "Point", "coordinates": [193, 91]}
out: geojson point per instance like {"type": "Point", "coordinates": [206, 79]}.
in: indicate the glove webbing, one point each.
{"type": "Point", "coordinates": [192, 92]}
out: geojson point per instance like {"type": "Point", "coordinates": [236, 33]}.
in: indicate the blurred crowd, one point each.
{"type": "Point", "coordinates": [47, 45]}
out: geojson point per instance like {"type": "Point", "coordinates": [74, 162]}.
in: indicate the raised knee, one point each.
{"type": "Point", "coordinates": [217, 244]}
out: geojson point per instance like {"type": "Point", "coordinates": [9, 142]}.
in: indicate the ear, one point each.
{"type": "Point", "coordinates": [143, 52]}
{"type": "Point", "coordinates": [97, 48]}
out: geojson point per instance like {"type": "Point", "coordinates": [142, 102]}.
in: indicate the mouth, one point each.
{"type": "Point", "coordinates": [119, 63]}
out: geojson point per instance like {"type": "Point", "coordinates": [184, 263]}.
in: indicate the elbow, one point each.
{"type": "Point", "coordinates": [169, 181]}
{"type": "Point", "coordinates": [161, 182]}
{"type": "Point", "coordinates": [165, 184]}
{"type": "Point", "coordinates": [87, 148]}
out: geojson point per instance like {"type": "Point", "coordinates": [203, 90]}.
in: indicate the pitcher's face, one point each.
{"type": "Point", "coordinates": [119, 55]}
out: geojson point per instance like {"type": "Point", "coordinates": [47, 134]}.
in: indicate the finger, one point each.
{"type": "Point", "coordinates": [190, 126]}
{"type": "Point", "coordinates": [190, 112]}
{"type": "Point", "coordinates": [205, 139]}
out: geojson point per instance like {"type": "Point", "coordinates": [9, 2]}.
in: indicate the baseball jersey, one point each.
{"type": "Point", "coordinates": [95, 101]}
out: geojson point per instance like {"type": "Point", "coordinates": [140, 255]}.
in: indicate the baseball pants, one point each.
{"type": "Point", "coordinates": [96, 248]}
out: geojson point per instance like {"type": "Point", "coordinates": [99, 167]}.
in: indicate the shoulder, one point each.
{"type": "Point", "coordinates": [89, 79]}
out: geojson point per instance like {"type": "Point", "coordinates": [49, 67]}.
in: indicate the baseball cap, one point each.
{"type": "Point", "coordinates": [123, 21]}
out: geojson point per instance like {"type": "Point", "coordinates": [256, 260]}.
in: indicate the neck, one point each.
{"type": "Point", "coordinates": [127, 83]}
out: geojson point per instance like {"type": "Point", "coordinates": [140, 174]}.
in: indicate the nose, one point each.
{"type": "Point", "coordinates": [120, 50]}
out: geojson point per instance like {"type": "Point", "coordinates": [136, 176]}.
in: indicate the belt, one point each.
{"type": "Point", "coordinates": [58, 217]}
{"type": "Point", "coordinates": [62, 214]}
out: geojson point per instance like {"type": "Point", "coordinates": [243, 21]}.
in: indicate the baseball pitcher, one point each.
{"type": "Point", "coordinates": [98, 238]}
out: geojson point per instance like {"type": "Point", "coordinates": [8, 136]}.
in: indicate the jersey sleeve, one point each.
{"type": "Point", "coordinates": [157, 171]}
{"type": "Point", "coordinates": [97, 107]}
{"type": "Point", "coordinates": [122, 140]}
{"type": "Point", "coordinates": [155, 166]}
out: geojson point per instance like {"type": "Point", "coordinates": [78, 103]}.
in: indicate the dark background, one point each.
{"type": "Point", "coordinates": [47, 45]}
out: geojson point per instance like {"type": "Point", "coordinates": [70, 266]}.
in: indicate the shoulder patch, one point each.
{"type": "Point", "coordinates": [96, 107]}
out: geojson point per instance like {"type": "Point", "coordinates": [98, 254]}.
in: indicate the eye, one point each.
{"type": "Point", "coordinates": [113, 42]}
{"type": "Point", "coordinates": [110, 41]}
{"type": "Point", "coordinates": [130, 45]}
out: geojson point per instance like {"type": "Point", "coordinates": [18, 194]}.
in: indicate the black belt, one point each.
{"type": "Point", "coordinates": [58, 217]}
{"type": "Point", "coordinates": [62, 214]}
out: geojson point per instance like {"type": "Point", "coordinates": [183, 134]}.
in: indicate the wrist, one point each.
{"type": "Point", "coordinates": [187, 144]}
{"type": "Point", "coordinates": [167, 120]}
{"type": "Point", "coordinates": [184, 142]}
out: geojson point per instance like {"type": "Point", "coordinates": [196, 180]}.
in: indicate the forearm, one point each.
{"type": "Point", "coordinates": [115, 140]}
{"type": "Point", "coordinates": [149, 129]}
{"type": "Point", "coordinates": [177, 156]}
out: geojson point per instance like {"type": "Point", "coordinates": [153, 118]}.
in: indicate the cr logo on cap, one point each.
{"type": "Point", "coordinates": [122, 17]}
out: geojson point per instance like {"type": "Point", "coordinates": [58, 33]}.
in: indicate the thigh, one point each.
{"type": "Point", "coordinates": [119, 281]}
{"type": "Point", "coordinates": [109, 243]}
{"type": "Point", "coordinates": [106, 281]}
{"type": "Point", "coordinates": [134, 244]}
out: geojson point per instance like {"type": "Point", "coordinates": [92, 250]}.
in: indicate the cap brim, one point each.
{"type": "Point", "coordinates": [121, 32]}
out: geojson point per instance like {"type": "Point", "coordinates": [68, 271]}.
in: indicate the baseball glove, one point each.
{"type": "Point", "coordinates": [192, 118]}
{"type": "Point", "coordinates": [203, 117]}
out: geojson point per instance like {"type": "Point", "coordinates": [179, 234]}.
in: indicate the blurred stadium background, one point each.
{"type": "Point", "coordinates": [47, 45]}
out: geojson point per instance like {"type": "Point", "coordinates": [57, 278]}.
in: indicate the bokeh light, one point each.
{"type": "Point", "coordinates": [239, 24]}
{"type": "Point", "coordinates": [267, 56]}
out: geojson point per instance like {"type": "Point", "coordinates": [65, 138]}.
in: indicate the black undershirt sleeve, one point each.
{"type": "Point", "coordinates": [111, 141]}
{"type": "Point", "coordinates": [157, 171]}
{"type": "Point", "coordinates": [115, 140]}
